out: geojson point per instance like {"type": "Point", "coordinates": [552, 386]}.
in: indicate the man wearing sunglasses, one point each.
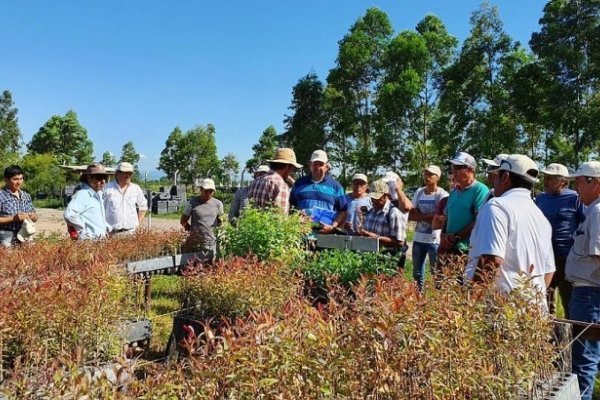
{"type": "Point", "coordinates": [583, 270]}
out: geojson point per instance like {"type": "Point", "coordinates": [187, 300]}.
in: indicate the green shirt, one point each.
{"type": "Point", "coordinates": [462, 209]}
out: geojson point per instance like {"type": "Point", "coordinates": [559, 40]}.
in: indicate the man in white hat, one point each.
{"type": "Point", "coordinates": [124, 201]}
{"type": "Point", "coordinates": [490, 168]}
{"type": "Point", "coordinates": [319, 189]}
{"type": "Point", "coordinates": [583, 270]}
{"type": "Point", "coordinates": [85, 212]}
{"type": "Point", "coordinates": [201, 215]}
{"type": "Point", "coordinates": [358, 200]}
{"type": "Point", "coordinates": [512, 238]}
{"type": "Point", "coordinates": [564, 211]}
{"type": "Point", "coordinates": [271, 190]}
{"type": "Point", "coordinates": [16, 206]}
{"type": "Point", "coordinates": [427, 240]}
{"type": "Point", "coordinates": [240, 199]}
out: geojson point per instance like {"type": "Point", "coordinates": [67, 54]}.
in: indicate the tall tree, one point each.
{"type": "Point", "coordinates": [108, 159]}
{"type": "Point", "coordinates": [171, 157]}
{"type": "Point", "coordinates": [568, 50]}
{"type": "Point", "coordinates": [351, 92]}
{"type": "Point", "coordinates": [130, 155]}
{"type": "Point", "coordinates": [264, 149]}
{"type": "Point", "coordinates": [305, 128]}
{"type": "Point", "coordinates": [229, 167]}
{"type": "Point", "coordinates": [65, 138]}
{"type": "Point", "coordinates": [10, 135]}
{"type": "Point", "coordinates": [199, 154]}
{"type": "Point", "coordinates": [43, 174]}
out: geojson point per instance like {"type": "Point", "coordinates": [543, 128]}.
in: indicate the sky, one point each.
{"type": "Point", "coordinates": [134, 70]}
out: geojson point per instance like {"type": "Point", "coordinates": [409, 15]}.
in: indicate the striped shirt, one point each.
{"type": "Point", "coordinates": [327, 194]}
{"type": "Point", "coordinates": [270, 190]}
{"type": "Point", "coordinates": [10, 205]}
{"type": "Point", "coordinates": [389, 222]}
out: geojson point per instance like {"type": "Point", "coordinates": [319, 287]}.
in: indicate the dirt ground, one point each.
{"type": "Point", "coordinates": [51, 221]}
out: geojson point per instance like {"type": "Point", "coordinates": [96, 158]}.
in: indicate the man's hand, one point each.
{"type": "Point", "coordinates": [326, 228]}
{"type": "Point", "coordinates": [448, 240]}
{"type": "Point", "coordinates": [20, 217]}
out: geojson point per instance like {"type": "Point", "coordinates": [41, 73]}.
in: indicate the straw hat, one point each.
{"type": "Point", "coordinates": [285, 155]}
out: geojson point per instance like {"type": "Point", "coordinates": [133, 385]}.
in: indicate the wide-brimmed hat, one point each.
{"type": "Point", "coordinates": [556, 169]}
{"type": "Point", "coordinates": [94, 169]}
{"type": "Point", "coordinates": [520, 164]}
{"type": "Point", "coordinates": [124, 167]}
{"type": "Point", "coordinates": [27, 231]}
{"type": "Point", "coordinates": [285, 155]}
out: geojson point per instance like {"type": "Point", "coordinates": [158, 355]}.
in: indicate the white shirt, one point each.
{"type": "Point", "coordinates": [426, 204]}
{"type": "Point", "coordinates": [513, 227]}
{"type": "Point", "coordinates": [582, 267]}
{"type": "Point", "coordinates": [120, 205]}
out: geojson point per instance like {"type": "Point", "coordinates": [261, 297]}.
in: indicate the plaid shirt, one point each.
{"type": "Point", "coordinates": [11, 205]}
{"type": "Point", "coordinates": [389, 222]}
{"type": "Point", "coordinates": [270, 190]}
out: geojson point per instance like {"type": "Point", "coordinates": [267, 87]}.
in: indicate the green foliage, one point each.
{"type": "Point", "coordinates": [346, 266]}
{"type": "Point", "coordinates": [42, 174]}
{"type": "Point", "coordinates": [10, 134]}
{"type": "Point", "coordinates": [266, 233]}
{"type": "Point", "coordinates": [64, 137]}
{"type": "Point", "coordinates": [263, 150]}
{"type": "Point", "coordinates": [108, 159]}
{"type": "Point", "coordinates": [228, 167]}
{"type": "Point", "coordinates": [130, 155]}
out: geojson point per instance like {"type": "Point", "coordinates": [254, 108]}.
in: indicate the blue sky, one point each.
{"type": "Point", "coordinates": [133, 70]}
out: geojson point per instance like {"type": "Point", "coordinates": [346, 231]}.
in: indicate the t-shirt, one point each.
{"type": "Point", "coordinates": [513, 228]}
{"type": "Point", "coordinates": [352, 208]}
{"type": "Point", "coordinates": [463, 206]}
{"type": "Point", "coordinates": [204, 218]}
{"type": "Point", "coordinates": [564, 212]}
{"type": "Point", "coordinates": [581, 267]}
{"type": "Point", "coordinates": [427, 204]}
{"type": "Point", "coordinates": [327, 194]}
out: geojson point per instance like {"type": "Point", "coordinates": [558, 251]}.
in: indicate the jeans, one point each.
{"type": "Point", "coordinates": [6, 238]}
{"type": "Point", "coordinates": [419, 252]}
{"type": "Point", "coordinates": [585, 306]}
{"type": "Point", "coordinates": [561, 285]}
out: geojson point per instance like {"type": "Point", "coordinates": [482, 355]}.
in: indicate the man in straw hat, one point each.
{"type": "Point", "coordinates": [15, 206]}
{"type": "Point", "coordinates": [85, 213]}
{"type": "Point", "coordinates": [272, 189]}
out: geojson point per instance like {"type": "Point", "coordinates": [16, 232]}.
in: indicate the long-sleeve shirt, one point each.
{"type": "Point", "coordinates": [86, 214]}
{"type": "Point", "coordinates": [122, 206]}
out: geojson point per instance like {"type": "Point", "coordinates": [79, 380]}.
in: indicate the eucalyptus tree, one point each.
{"type": "Point", "coordinates": [264, 149]}
{"type": "Point", "coordinates": [10, 134]}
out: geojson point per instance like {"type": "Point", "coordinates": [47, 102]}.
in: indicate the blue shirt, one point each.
{"type": "Point", "coordinates": [327, 194]}
{"type": "Point", "coordinates": [564, 211]}
{"type": "Point", "coordinates": [85, 213]}
{"type": "Point", "coordinates": [11, 205]}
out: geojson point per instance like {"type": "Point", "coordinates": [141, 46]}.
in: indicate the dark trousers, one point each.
{"type": "Point", "coordinates": [561, 285]}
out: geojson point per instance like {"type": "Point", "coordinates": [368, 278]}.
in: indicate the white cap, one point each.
{"type": "Point", "coordinates": [207, 184]}
{"type": "Point", "coordinates": [378, 189]}
{"type": "Point", "coordinates": [590, 168]}
{"type": "Point", "coordinates": [390, 176]}
{"type": "Point", "coordinates": [360, 177]}
{"type": "Point", "coordinates": [557, 170]}
{"type": "Point", "coordinates": [521, 165]}
{"type": "Point", "coordinates": [319, 155]}
{"type": "Point", "coordinates": [124, 167]}
{"type": "Point", "coordinates": [434, 169]}
{"type": "Point", "coordinates": [496, 161]}
{"type": "Point", "coordinates": [463, 158]}
{"type": "Point", "coordinates": [262, 168]}
{"type": "Point", "coordinates": [27, 231]}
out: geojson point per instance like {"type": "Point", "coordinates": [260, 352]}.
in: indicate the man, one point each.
{"type": "Point", "coordinates": [348, 218]}
{"type": "Point", "coordinates": [124, 201]}
{"type": "Point", "coordinates": [427, 240]}
{"type": "Point", "coordinates": [318, 190]}
{"type": "Point", "coordinates": [463, 205]}
{"type": "Point", "coordinates": [398, 197]}
{"type": "Point", "coordinates": [583, 270]}
{"type": "Point", "coordinates": [512, 239]}
{"type": "Point", "coordinates": [271, 190]}
{"type": "Point", "coordinates": [491, 167]}
{"type": "Point", "coordinates": [564, 211]}
{"type": "Point", "coordinates": [85, 212]}
{"type": "Point", "coordinates": [385, 222]}
{"type": "Point", "coordinates": [15, 206]}
{"type": "Point", "coordinates": [201, 214]}
{"type": "Point", "coordinates": [240, 200]}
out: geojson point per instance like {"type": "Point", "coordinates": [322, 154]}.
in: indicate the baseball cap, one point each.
{"type": "Point", "coordinates": [390, 176]}
{"type": "Point", "coordinates": [124, 167]}
{"type": "Point", "coordinates": [521, 165]}
{"type": "Point", "coordinates": [262, 168]}
{"type": "Point", "coordinates": [463, 158]}
{"type": "Point", "coordinates": [360, 177]}
{"type": "Point", "coordinates": [434, 169]}
{"type": "Point", "coordinates": [590, 168]}
{"type": "Point", "coordinates": [556, 169]}
{"type": "Point", "coordinates": [378, 189]}
{"type": "Point", "coordinates": [207, 184]}
{"type": "Point", "coordinates": [319, 155]}
{"type": "Point", "coordinates": [496, 161]}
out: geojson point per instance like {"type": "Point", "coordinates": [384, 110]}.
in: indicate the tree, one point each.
{"type": "Point", "coordinates": [263, 150]}
{"type": "Point", "coordinates": [305, 128]}
{"type": "Point", "coordinates": [43, 174]}
{"type": "Point", "coordinates": [65, 138]}
{"type": "Point", "coordinates": [568, 51]}
{"type": "Point", "coordinates": [10, 135]}
{"type": "Point", "coordinates": [172, 157]}
{"type": "Point", "coordinates": [130, 155]}
{"type": "Point", "coordinates": [229, 166]}
{"type": "Point", "coordinates": [108, 159]}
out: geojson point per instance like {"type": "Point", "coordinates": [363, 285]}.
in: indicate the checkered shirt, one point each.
{"type": "Point", "coordinates": [378, 222]}
{"type": "Point", "coordinates": [11, 205]}
{"type": "Point", "coordinates": [270, 190]}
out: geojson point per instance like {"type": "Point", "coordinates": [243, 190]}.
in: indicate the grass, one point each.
{"type": "Point", "coordinates": [166, 291]}
{"type": "Point", "coordinates": [49, 203]}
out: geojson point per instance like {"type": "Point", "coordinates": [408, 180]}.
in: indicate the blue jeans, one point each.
{"type": "Point", "coordinates": [419, 252]}
{"type": "Point", "coordinates": [585, 306]}
{"type": "Point", "coordinates": [6, 238]}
